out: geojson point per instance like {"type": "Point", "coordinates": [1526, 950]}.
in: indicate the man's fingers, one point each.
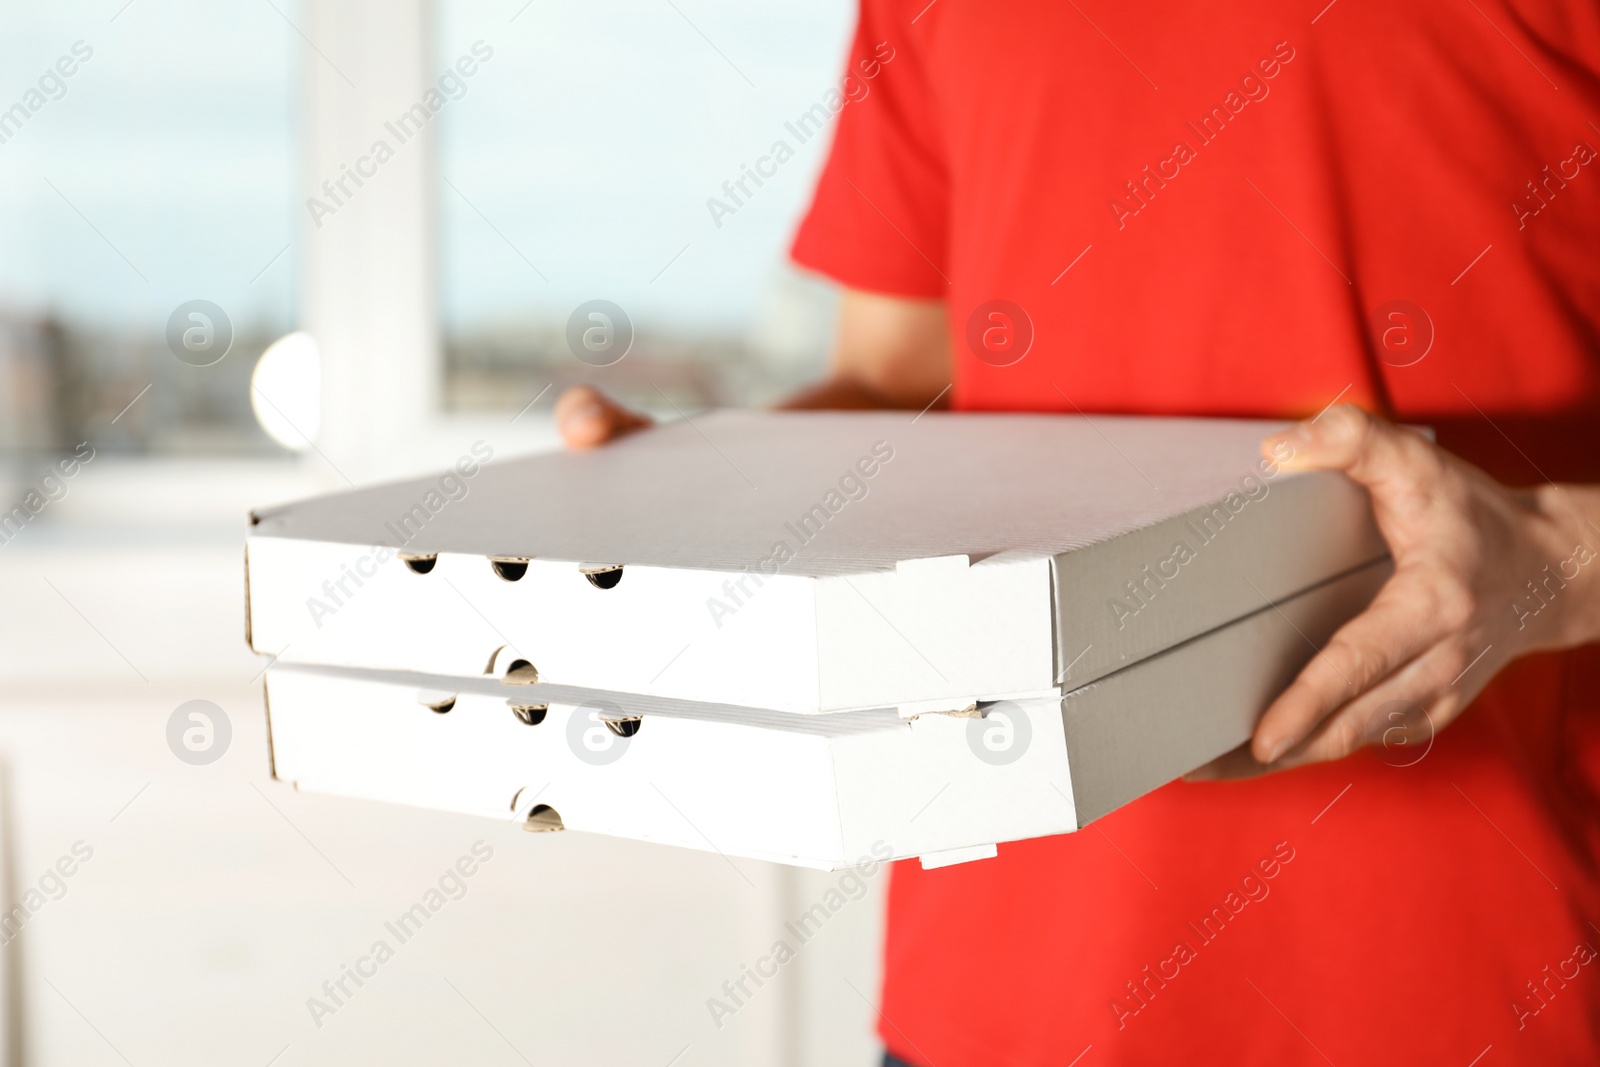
{"type": "Point", "coordinates": [1402, 729]}
{"type": "Point", "coordinates": [1371, 451]}
{"type": "Point", "coordinates": [587, 417]}
{"type": "Point", "coordinates": [1395, 628]}
{"type": "Point", "coordinates": [1400, 716]}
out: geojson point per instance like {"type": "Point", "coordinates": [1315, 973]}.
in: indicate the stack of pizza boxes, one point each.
{"type": "Point", "coordinates": [813, 638]}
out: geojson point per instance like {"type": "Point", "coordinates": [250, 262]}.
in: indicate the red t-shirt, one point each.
{"type": "Point", "coordinates": [1254, 208]}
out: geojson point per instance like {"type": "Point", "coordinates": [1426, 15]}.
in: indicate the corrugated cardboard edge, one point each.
{"type": "Point", "coordinates": [272, 752]}
{"type": "Point", "coordinates": [249, 633]}
{"type": "Point", "coordinates": [1053, 590]}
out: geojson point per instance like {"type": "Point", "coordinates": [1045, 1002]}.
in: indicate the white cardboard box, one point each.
{"type": "Point", "coordinates": [810, 562]}
{"type": "Point", "coordinates": [819, 791]}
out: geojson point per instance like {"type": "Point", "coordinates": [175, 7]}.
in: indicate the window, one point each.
{"type": "Point", "coordinates": [146, 161]}
{"type": "Point", "coordinates": [578, 163]}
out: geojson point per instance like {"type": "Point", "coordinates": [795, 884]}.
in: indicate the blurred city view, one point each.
{"type": "Point", "coordinates": [589, 153]}
{"type": "Point", "coordinates": [156, 171]}
{"type": "Point", "coordinates": [166, 171]}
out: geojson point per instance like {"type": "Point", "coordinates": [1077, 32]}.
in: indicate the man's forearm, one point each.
{"type": "Point", "coordinates": [888, 352]}
{"type": "Point", "coordinates": [841, 392]}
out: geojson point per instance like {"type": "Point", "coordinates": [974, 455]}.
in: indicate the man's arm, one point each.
{"type": "Point", "coordinates": [1484, 573]}
{"type": "Point", "coordinates": [888, 352]}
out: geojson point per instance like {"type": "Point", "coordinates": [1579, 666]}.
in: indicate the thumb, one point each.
{"type": "Point", "coordinates": [587, 417]}
{"type": "Point", "coordinates": [1377, 454]}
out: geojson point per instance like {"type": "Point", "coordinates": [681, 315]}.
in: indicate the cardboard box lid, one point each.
{"type": "Point", "coordinates": [814, 561]}
{"type": "Point", "coordinates": [719, 492]}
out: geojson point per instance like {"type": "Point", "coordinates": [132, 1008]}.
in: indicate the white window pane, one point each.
{"type": "Point", "coordinates": [578, 165]}
{"type": "Point", "coordinates": [158, 172]}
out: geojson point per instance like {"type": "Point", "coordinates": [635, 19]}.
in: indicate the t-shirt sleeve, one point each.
{"type": "Point", "coordinates": [878, 219]}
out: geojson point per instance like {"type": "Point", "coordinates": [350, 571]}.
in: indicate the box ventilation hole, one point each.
{"type": "Point", "coordinates": [440, 705]}
{"type": "Point", "coordinates": [623, 727]}
{"type": "Point", "coordinates": [521, 672]}
{"type": "Point", "coordinates": [530, 714]}
{"type": "Point", "coordinates": [603, 577]}
{"type": "Point", "coordinates": [420, 564]}
{"type": "Point", "coordinates": [543, 818]}
{"type": "Point", "coordinates": [510, 568]}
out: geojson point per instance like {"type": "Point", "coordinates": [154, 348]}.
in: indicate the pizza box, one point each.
{"type": "Point", "coordinates": [825, 791]}
{"type": "Point", "coordinates": [807, 561]}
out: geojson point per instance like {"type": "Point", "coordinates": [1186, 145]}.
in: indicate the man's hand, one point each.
{"type": "Point", "coordinates": [587, 417]}
{"type": "Point", "coordinates": [1483, 574]}
{"type": "Point", "coordinates": [888, 352]}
